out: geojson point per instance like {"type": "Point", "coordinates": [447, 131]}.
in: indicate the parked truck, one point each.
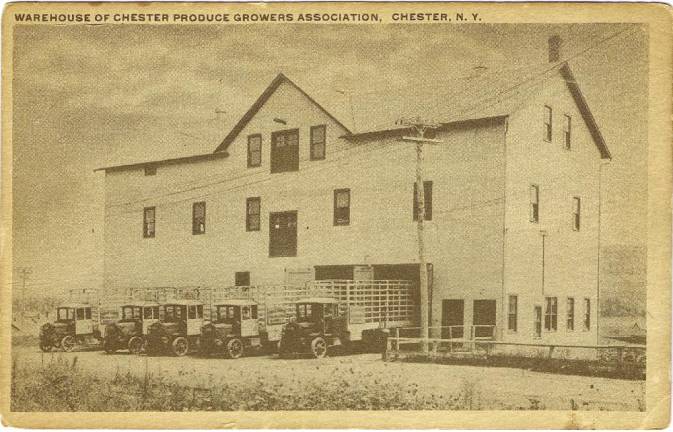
{"type": "Point", "coordinates": [75, 324]}
{"type": "Point", "coordinates": [178, 330]}
{"type": "Point", "coordinates": [234, 329]}
{"type": "Point", "coordinates": [347, 312]}
{"type": "Point", "coordinates": [130, 331]}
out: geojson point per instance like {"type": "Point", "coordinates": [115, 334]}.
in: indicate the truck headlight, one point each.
{"type": "Point", "coordinates": [164, 339]}
{"type": "Point", "coordinates": [218, 342]}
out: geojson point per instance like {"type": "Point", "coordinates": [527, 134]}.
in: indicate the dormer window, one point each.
{"type": "Point", "coordinates": [285, 151]}
{"type": "Point", "coordinates": [150, 170]}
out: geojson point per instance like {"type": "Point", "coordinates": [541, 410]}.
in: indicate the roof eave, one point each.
{"type": "Point", "coordinates": [172, 161]}
{"type": "Point", "coordinates": [384, 133]}
{"type": "Point", "coordinates": [586, 113]}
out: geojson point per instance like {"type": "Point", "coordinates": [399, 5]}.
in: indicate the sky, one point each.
{"type": "Point", "coordinates": [92, 96]}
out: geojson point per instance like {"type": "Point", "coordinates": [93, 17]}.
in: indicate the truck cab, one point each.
{"type": "Point", "coordinates": [179, 328]}
{"type": "Point", "coordinates": [74, 325]}
{"type": "Point", "coordinates": [234, 329]}
{"type": "Point", "coordinates": [318, 325]}
{"type": "Point", "coordinates": [130, 330]}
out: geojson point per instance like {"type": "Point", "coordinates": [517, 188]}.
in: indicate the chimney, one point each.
{"type": "Point", "coordinates": [554, 48]}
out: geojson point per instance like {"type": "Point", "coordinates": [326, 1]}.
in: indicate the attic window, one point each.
{"type": "Point", "coordinates": [567, 128]}
{"type": "Point", "coordinates": [199, 218]}
{"type": "Point", "coordinates": [547, 123]}
{"type": "Point", "coordinates": [254, 150]}
{"type": "Point", "coordinates": [150, 170]}
{"type": "Point", "coordinates": [318, 142]}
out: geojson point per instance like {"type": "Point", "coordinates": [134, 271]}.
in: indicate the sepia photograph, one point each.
{"type": "Point", "coordinates": [321, 208]}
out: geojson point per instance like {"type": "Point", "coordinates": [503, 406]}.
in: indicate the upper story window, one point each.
{"type": "Point", "coordinates": [427, 200]}
{"type": "Point", "coordinates": [254, 150]}
{"type": "Point", "coordinates": [199, 218]}
{"type": "Point", "coordinates": [534, 203]}
{"type": "Point", "coordinates": [576, 213]}
{"type": "Point", "coordinates": [547, 123]}
{"type": "Point", "coordinates": [285, 151]}
{"type": "Point", "coordinates": [567, 129]}
{"type": "Point", "coordinates": [318, 138]}
{"type": "Point", "coordinates": [150, 170]}
{"type": "Point", "coordinates": [551, 313]}
{"type": "Point", "coordinates": [252, 214]}
{"type": "Point", "coordinates": [149, 217]}
{"type": "Point", "coordinates": [342, 207]}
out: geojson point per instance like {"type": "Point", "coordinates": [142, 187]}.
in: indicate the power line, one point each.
{"type": "Point", "coordinates": [229, 179]}
{"type": "Point", "coordinates": [434, 85]}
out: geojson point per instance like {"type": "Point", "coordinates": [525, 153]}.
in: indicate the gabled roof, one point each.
{"type": "Point", "coordinates": [259, 103]}
{"type": "Point", "coordinates": [474, 97]}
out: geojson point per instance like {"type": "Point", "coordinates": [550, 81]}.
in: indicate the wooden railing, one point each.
{"type": "Point", "coordinates": [399, 342]}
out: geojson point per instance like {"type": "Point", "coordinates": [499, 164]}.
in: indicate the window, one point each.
{"type": "Point", "coordinates": [252, 213]}
{"type": "Point", "coordinates": [283, 234]}
{"type": "Point", "coordinates": [342, 207]}
{"type": "Point", "coordinates": [149, 217]}
{"type": "Point", "coordinates": [254, 150]}
{"type": "Point", "coordinates": [570, 310]}
{"type": "Point", "coordinates": [550, 313]}
{"type": "Point", "coordinates": [547, 123]}
{"type": "Point", "coordinates": [199, 218]}
{"type": "Point", "coordinates": [576, 213]}
{"type": "Point", "coordinates": [285, 151]}
{"type": "Point", "coordinates": [192, 312]}
{"type": "Point", "coordinates": [567, 127]}
{"type": "Point", "coordinates": [318, 137]}
{"type": "Point", "coordinates": [87, 313]}
{"type": "Point", "coordinates": [587, 314]}
{"type": "Point", "coordinates": [427, 198]}
{"type": "Point", "coordinates": [150, 170]}
{"type": "Point", "coordinates": [80, 313]}
{"type": "Point", "coordinates": [534, 203]}
{"type": "Point", "coordinates": [242, 278]}
{"type": "Point", "coordinates": [512, 313]}
{"type": "Point", "coordinates": [537, 324]}
{"type": "Point", "coordinates": [199, 311]}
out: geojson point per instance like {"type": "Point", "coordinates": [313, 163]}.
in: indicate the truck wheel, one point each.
{"type": "Point", "coordinates": [68, 343]}
{"type": "Point", "coordinates": [136, 345]}
{"type": "Point", "coordinates": [180, 346]}
{"type": "Point", "coordinates": [319, 347]}
{"type": "Point", "coordinates": [234, 348]}
{"type": "Point", "coordinates": [45, 346]}
{"type": "Point", "coordinates": [109, 346]}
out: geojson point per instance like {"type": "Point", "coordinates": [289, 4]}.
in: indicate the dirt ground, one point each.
{"type": "Point", "coordinates": [487, 388]}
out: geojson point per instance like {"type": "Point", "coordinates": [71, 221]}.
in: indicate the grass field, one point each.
{"type": "Point", "coordinates": [94, 381]}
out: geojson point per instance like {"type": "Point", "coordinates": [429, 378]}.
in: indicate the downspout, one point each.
{"type": "Point", "coordinates": [504, 232]}
{"type": "Point", "coordinates": [598, 255]}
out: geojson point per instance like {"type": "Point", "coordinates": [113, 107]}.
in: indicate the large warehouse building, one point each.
{"type": "Point", "coordinates": [293, 194]}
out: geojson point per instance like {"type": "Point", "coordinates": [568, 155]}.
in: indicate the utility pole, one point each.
{"type": "Point", "coordinates": [24, 272]}
{"type": "Point", "coordinates": [421, 127]}
{"type": "Point", "coordinates": [543, 233]}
